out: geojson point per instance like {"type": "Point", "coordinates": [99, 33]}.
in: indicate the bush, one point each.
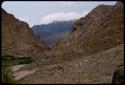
{"type": "Point", "coordinates": [7, 62]}
{"type": "Point", "coordinates": [7, 76]}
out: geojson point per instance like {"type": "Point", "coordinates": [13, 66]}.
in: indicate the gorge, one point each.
{"type": "Point", "coordinates": [89, 53]}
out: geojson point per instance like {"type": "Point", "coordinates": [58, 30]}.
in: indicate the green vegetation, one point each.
{"type": "Point", "coordinates": [7, 76]}
{"type": "Point", "coordinates": [16, 61]}
{"type": "Point", "coordinates": [7, 62]}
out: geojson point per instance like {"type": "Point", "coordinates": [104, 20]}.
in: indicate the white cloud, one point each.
{"type": "Point", "coordinates": [27, 20]}
{"type": "Point", "coordinates": [24, 19]}
{"type": "Point", "coordinates": [60, 16]}
{"type": "Point", "coordinates": [85, 13]}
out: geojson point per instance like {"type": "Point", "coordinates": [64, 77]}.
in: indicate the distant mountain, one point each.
{"type": "Point", "coordinates": [52, 31]}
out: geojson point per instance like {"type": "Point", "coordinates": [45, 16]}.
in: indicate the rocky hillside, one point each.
{"type": "Point", "coordinates": [17, 37]}
{"type": "Point", "coordinates": [101, 29]}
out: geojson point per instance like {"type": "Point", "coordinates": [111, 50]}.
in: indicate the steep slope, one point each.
{"type": "Point", "coordinates": [17, 37]}
{"type": "Point", "coordinates": [101, 29]}
{"type": "Point", "coordinates": [52, 31]}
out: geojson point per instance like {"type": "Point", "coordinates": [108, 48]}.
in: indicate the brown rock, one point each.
{"type": "Point", "coordinates": [17, 37]}
{"type": "Point", "coordinates": [101, 29]}
{"type": "Point", "coordinates": [118, 77]}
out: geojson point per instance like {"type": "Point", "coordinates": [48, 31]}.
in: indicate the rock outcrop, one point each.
{"type": "Point", "coordinates": [118, 77]}
{"type": "Point", "coordinates": [17, 37]}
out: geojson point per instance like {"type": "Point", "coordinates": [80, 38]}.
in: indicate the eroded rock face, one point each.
{"type": "Point", "coordinates": [101, 29]}
{"type": "Point", "coordinates": [118, 77]}
{"type": "Point", "coordinates": [17, 37]}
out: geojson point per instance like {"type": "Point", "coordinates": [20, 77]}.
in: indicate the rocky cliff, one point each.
{"type": "Point", "coordinates": [17, 37]}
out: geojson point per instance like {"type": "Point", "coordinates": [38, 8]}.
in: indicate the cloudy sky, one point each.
{"type": "Point", "coordinates": [44, 12]}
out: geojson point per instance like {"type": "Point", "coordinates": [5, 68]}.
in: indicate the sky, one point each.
{"type": "Point", "coordinates": [44, 12]}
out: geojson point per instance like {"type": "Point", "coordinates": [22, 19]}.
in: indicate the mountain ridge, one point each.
{"type": "Point", "coordinates": [17, 37]}
{"type": "Point", "coordinates": [52, 31]}
{"type": "Point", "coordinates": [97, 32]}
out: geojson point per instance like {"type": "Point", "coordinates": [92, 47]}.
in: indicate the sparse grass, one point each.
{"type": "Point", "coordinates": [7, 76]}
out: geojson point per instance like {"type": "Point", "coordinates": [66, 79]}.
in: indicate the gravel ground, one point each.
{"type": "Point", "coordinates": [93, 69]}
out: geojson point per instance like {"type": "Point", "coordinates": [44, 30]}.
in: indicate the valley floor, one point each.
{"type": "Point", "coordinates": [93, 69]}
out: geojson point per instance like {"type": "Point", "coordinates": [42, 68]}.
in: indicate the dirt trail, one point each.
{"type": "Point", "coordinates": [22, 74]}
{"type": "Point", "coordinates": [19, 74]}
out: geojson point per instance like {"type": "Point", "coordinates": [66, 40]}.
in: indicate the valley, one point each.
{"type": "Point", "coordinates": [86, 51]}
